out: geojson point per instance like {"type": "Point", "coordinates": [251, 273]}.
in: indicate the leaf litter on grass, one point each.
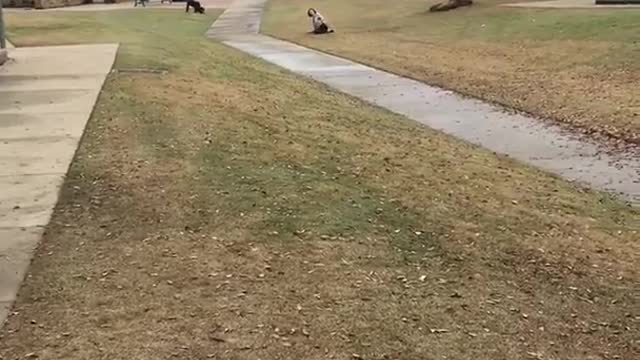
{"type": "Point", "coordinates": [575, 67]}
{"type": "Point", "coordinates": [205, 217]}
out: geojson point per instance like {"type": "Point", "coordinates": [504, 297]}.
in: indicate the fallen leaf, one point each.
{"type": "Point", "coordinates": [217, 339]}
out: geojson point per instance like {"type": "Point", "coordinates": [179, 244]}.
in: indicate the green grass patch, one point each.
{"type": "Point", "coordinates": [150, 38]}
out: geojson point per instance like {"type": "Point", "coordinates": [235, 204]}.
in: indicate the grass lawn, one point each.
{"type": "Point", "coordinates": [217, 212]}
{"type": "Point", "coordinates": [580, 67]}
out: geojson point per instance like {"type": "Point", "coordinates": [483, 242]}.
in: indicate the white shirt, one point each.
{"type": "Point", "coordinates": [317, 20]}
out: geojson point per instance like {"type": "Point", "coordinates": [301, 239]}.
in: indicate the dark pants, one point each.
{"type": "Point", "coordinates": [322, 29]}
{"type": "Point", "coordinates": [195, 5]}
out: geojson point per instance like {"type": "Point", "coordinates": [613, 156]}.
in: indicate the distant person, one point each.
{"type": "Point", "coordinates": [317, 21]}
{"type": "Point", "coordinates": [195, 5]}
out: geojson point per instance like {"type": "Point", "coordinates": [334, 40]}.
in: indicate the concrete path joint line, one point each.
{"type": "Point", "coordinates": [549, 147]}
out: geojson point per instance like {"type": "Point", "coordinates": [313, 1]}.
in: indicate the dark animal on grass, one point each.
{"type": "Point", "coordinates": [195, 5]}
{"type": "Point", "coordinates": [317, 21]}
{"type": "Point", "coordinates": [450, 5]}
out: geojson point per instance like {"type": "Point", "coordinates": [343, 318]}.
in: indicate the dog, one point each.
{"type": "Point", "coordinates": [317, 21]}
{"type": "Point", "coordinates": [197, 8]}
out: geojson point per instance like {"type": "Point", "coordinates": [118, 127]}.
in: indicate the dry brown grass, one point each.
{"type": "Point", "coordinates": [211, 213]}
{"type": "Point", "coordinates": [575, 66]}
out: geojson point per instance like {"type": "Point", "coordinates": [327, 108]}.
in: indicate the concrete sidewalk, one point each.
{"type": "Point", "coordinates": [547, 146]}
{"type": "Point", "coordinates": [47, 95]}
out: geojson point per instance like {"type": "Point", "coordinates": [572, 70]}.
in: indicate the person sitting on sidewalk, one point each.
{"type": "Point", "coordinates": [317, 21]}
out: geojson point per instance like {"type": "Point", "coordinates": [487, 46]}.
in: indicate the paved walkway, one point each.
{"type": "Point", "coordinates": [569, 4]}
{"type": "Point", "coordinates": [47, 95]}
{"type": "Point", "coordinates": [522, 137]}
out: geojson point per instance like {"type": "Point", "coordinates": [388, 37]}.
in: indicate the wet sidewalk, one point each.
{"type": "Point", "coordinates": [524, 138]}
{"type": "Point", "coordinates": [47, 95]}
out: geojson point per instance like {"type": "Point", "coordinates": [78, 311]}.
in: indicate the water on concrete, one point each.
{"type": "Point", "coordinates": [550, 147]}
{"type": "Point", "coordinates": [46, 97]}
